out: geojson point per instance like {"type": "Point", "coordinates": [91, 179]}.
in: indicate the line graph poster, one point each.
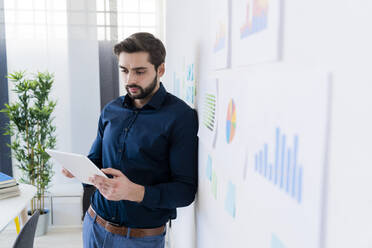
{"type": "Point", "coordinates": [255, 31]}
{"type": "Point", "coordinates": [221, 33]}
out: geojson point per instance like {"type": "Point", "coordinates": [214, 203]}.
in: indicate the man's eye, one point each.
{"type": "Point", "coordinates": [140, 72]}
{"type": "Point", "coordinates": [125, 71]}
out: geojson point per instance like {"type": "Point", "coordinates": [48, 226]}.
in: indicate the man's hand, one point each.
{"type": "Point", "coordinates": [66, 173]}
{"type": "Point", "coordinates": [119, 187]}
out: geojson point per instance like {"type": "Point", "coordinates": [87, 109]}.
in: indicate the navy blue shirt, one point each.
{"type": "Point", "coordinates": [155, 146]}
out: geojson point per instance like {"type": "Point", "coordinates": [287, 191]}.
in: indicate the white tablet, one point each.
{"type": "Point", "coordinates": [79, 165]}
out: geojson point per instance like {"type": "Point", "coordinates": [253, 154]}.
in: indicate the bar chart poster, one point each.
{"type": "Point", "coordinates": [221, 34]}
{"type": "Point", "coordinates": [208, 112]}
{"type": "Point", "coordinates": [255, 31]}
{"type": "Point", "coordinates": [282, 170]}
{"type": "Point", "coordinates": [282, 123]}
{"type": "Point", "coordinates": [256, 17]}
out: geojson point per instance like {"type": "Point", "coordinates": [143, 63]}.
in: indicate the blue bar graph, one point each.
{"type": "Point", "coordinates": [299, 193]}
{"type": "Point", "coordinates": [270, 171]}
{"type": "Point", "coordinates": [288, 170]}
{"type": "Point", "coordinates": [261, 163]}
{"type": "Point", "coordinates": [282, 163]}
{"type": "Point", "coordinates": [294, 166]}
{"type": "Point", "coordinates": [265, 159]}
{"type": "Point", "coordinates": [282, 170]}
{"type": "Point", "coordinates": [276, 156]}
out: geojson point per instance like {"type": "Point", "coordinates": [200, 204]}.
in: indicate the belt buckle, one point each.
{"type": "Point", "coordinates": [114, 224]}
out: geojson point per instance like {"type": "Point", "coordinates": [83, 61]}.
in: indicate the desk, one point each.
{"type": "Point", "coordinates": [11, 207]}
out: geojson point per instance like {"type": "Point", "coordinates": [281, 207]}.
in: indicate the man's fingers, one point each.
{"type": "Point", "coordinates": [67, 173]}
{"type": "Point", "coordinates": [104, 189]}
{"type": "Point", "coordinates": [101, 181]}
{"type": "Point", "coordinates": [111, 171]}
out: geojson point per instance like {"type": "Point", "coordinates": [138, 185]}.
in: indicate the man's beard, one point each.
{"type": "Point", "coordinates": [144, 92]}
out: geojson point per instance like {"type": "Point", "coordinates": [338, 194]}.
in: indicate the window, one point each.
{"type": "Point", "coordinates": [35, 19]}
{"type": "Point", "coordinates": [117, 19]}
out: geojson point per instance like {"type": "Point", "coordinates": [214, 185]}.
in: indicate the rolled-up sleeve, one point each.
{"type": "Point", "coordinates": [183, 163]}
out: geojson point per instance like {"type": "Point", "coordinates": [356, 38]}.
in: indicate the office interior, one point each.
{"type": "Point", "coordinates": [298, 70]}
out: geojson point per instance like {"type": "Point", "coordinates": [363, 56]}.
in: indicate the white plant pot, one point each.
{"type": "Point", "coordinates": [43, 223]}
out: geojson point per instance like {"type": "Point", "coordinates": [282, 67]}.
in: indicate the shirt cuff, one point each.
{"type": "Point", "coordinates": [152, 197]}
{"type": "Point", "coordinates": [87, 185]}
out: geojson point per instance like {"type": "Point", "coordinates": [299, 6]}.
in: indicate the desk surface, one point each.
{"type": "Point", "coordinates": [11, 207]}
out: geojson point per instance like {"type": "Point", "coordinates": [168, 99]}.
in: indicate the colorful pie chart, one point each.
{"type": "Point", "coordinates": [230, 122]}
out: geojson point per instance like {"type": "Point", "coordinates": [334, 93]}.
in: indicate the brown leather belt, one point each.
{"type": "Point", "coordinates": [122, 230]}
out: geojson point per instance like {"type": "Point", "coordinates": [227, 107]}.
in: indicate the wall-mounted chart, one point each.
{"type": "Point", "coordinates": [221, 37]}
{"type": "Point", "coordinates": [210, 107]}
{"type": "Point", "coordinates": [230, 136]}
{"type": "Point", "coordinates": [230, 205]}
{"type": "Point", "coordinates": [211, 176]}
{"type": "Point", "coordinates": [220, 42]}
{"type": "Point", "coordinates": [230, 121]}
{"type": "Point", "coordinates": [283, 170]}
{"type": "Point", "coordinates": [286, 138]}
{"type": "Point", "coordinates": [255, 31]}
{"type": "Point", "coordinates": [184, 81]}
{"type": "Point", "coordinates": [190, 83]}
{"type": "Point", "coordinates": [208, 112]}
{"type": "Point", "coordinates": [256, 18]}
{"type": "Point", "coordinates": [275, 186]}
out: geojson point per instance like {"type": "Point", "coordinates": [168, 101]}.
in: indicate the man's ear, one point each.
{"type": "Point", "coordinates": [161, 70]}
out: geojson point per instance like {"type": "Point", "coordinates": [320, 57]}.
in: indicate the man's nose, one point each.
{"type": "Point", "coordinates": [132, 78]}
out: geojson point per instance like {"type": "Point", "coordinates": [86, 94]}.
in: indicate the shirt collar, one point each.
{"type": "Point", "coordinates": [155, 102]}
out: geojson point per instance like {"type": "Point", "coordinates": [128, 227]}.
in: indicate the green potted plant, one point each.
{"type": "Point", "coordinates": [32, 131]}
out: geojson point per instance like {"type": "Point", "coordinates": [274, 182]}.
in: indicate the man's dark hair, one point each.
{"type": "Point", "coordinates": [143, 42]}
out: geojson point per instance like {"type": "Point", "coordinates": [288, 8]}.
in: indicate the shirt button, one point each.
{"type": "Point", "coordinates": [120, 150]}
{"type": "Point", "coordinates": [126, 129]}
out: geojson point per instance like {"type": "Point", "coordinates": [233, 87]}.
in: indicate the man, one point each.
{"type": "Point", "coordinates": [147, 144]}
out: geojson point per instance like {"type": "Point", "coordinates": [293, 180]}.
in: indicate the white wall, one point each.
{"type": "Point", "coordinates": [337, 40]}
{"type": "Point", "coordinates": [183, 36]}
{"type": "Point", "coordinates": [327, 34]}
